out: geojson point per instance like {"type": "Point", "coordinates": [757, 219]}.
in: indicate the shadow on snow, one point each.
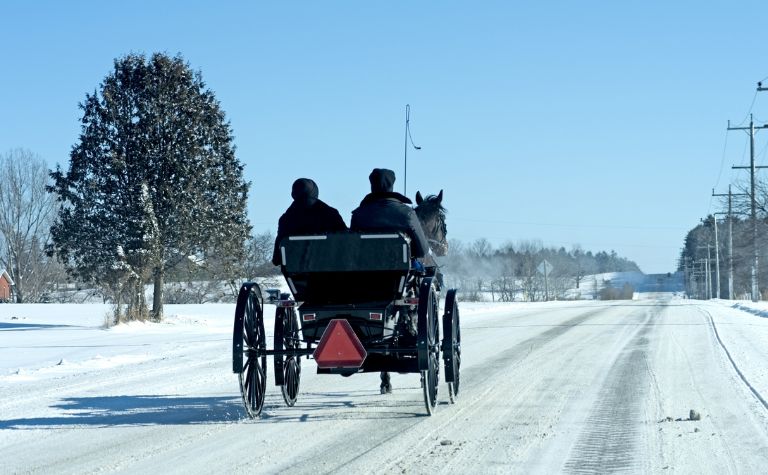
{"type": "Point", "coordinates": [139, 410]}
{"type": "Point", "coordinates": [5, 326]}
{"type": "Point", "coordinates": [347, 405]}
{"type": "Point", "coordinates": [148, 410]}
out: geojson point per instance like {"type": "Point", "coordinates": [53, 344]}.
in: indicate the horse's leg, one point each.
{"type": "Point", "coordinates": [386, 386]}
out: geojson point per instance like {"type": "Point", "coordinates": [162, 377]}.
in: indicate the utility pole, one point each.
{"type": "Point", "coordinates": [707, 271]}
{"type": "Point", "coordinates": [753, 205]}
{"type": "Point", "coordinates": [693, 282]}
{"type": "Point", "coordinates": [730, 196]}
{"type": "Point", "coordinates": [717, 258]}
{"type": "Point", "coordinates": [698, 273]}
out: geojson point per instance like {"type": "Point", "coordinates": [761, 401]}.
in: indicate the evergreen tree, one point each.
{"type": "Point", "coordinates": [152, 180]}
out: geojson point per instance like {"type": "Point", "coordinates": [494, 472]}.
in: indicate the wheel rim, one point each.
{"type": "Point", "coordinates": [292, 376]}
{"type": "Point", "coordinates": [292, 364]}
{"type": "Point", "coordinates": [430, 376]}
{"type": "Point", "coordinates": [452, 345]}
{"type": "Point", "coordinates": [252, 387]}
{"type": "Point", "coordinates": [456, 343]}
{"type": "Point", "coordinates": [254, 374]}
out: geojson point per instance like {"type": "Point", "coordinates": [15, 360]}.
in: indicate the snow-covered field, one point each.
{"type": "Point", "coordinates": [546, 388]}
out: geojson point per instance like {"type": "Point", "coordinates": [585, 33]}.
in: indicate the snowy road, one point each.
{"type": "Point", "coordinates": [572, 387]}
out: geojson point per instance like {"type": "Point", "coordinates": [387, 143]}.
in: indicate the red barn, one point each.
{"type": "Point", "coordinates": [6, 284]}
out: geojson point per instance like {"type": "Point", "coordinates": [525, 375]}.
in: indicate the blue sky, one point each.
{"type": "Point", "coordinates": [600, 124]}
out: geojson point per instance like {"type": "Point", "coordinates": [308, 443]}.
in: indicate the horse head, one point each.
{"type": "Point", "coordinates": [431, 214]}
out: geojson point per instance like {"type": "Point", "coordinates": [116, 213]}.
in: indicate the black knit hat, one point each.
{"type": "Point", "coordinates": [381, 180]}
{"type": "Point", "coordinates": [304, 191]}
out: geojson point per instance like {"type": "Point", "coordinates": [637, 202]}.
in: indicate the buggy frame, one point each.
{"type": "Point", "coordinates": [386, 301]}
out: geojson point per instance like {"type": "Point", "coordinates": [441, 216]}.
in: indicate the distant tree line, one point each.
{"type": "Point", "coordinates": [699, 256]}
{"type": "Point", "coordinates": [512, 271]}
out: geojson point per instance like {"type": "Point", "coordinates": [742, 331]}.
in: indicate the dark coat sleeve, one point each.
{"type": "Point", "coordinates": [276, 257]}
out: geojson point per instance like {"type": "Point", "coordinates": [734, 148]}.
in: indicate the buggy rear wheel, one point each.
{"type": "Point", "coordinates": [288, 367]}
{"type": "Point", "coordinates": [249, 348]}
{"type": "Point", "coordinates": [452, 344]}
{"type": "Point", "coordinates": [428, 343]}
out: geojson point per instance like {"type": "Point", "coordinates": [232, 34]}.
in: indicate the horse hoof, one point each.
{"type": "Point", "coordinates": [386, 389]}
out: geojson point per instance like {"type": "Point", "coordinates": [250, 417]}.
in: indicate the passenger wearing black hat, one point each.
{"type": "Point", "coordinates": [385, 210]}
{"type": "Point", "coordinates": [306, 215]}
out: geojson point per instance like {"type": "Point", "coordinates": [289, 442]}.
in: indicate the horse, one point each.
{"type": "Point", "coordinates": [431, 215]}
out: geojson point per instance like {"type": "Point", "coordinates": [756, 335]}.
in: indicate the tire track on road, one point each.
{"type": "Point", "coordinates": [608, 442]}
{"type": "Point", "coordinates": [483, 378]}
{"type": "Point", "coordinates": [743, 378]}
{"type": "Point", "coordinates": [479, 377]}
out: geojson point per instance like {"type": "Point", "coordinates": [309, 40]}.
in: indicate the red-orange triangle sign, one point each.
{"type": "Point", "coordinates": [339, 347]}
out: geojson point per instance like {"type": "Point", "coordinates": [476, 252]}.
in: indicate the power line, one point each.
{"type": "Point", "coordinates": [722, 160]}
{"type": "Point", "coordinates": [749, 111]}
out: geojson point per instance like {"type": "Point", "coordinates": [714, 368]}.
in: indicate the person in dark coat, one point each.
{"type": "Point", "coordinates": [306, 215]}
{"type": "Point", "coordinates": [385, 210]}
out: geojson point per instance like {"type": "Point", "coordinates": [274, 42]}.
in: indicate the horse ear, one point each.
{"type": "Point", "coordinates": [419, 198]}
{"type": "Point", "coordinates": [440, 197]}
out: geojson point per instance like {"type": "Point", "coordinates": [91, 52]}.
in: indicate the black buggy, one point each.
{"type": "Point", "coordinates": [360, 304]}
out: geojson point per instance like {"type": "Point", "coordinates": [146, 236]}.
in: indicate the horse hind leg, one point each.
{"type": "Point", "coordinates": [386, 385]}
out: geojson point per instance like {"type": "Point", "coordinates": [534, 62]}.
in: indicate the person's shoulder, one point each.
{"type": "Point", "coordinates": [320, 204]}
{"type": "Point", "coordinates": [391, 197]}
{"type": "Point", "coordinates": [292, 210]}
{"type": "Point", "coordinates": [369, 199]}
{"type": "Point", "coordinates": [285, 215]}
{"type": "Point", "coordinates": [326, 208]}
{"type": "Point", "coordinates": [401, 198]}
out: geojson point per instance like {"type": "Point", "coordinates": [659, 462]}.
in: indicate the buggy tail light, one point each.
{"type": "Point", "coordinates": [375, 316]}
{"type": "Point", "coordinates": [308, 317]}
{"type": "Point", "coordinates": [286, 303]}
{"type": "Point", "coordinates": [411, 300]}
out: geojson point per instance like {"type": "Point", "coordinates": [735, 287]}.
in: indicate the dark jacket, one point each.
{"type": "Point", "coordinates": [306, 216]}
{"type": "Point", "coordinates": [388, 211]}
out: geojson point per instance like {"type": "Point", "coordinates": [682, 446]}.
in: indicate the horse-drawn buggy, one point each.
{"type": "Point", "coordinates": [359, 304]}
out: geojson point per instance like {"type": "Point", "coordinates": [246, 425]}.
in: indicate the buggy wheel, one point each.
{"type": "Point", "coordinates": [288, 367]}
{"type": "Point", "coordinates": [452, 344]}
{"type": "Point", "coordinates": [249, 348]}
{"type": "Point", "coordinates": [428, 343]}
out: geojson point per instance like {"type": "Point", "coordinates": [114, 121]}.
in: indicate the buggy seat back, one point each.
{"type": "Point", "coordinates": [346, 268]}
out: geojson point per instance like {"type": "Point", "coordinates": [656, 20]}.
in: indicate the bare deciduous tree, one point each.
{"type": "Point", "coordinates": [26, 213]}
{"type": "Point", "coordinates": [258, 260]}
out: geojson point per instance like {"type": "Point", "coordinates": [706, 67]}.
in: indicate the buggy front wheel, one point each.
{"type": "Point", "coordinates": [452, 344]}
{"type": "Point", "coordinates": [428, 343]}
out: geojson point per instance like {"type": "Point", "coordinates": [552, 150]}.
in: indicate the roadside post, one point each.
{"type": "Point", "coordinates": [545, 268]}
